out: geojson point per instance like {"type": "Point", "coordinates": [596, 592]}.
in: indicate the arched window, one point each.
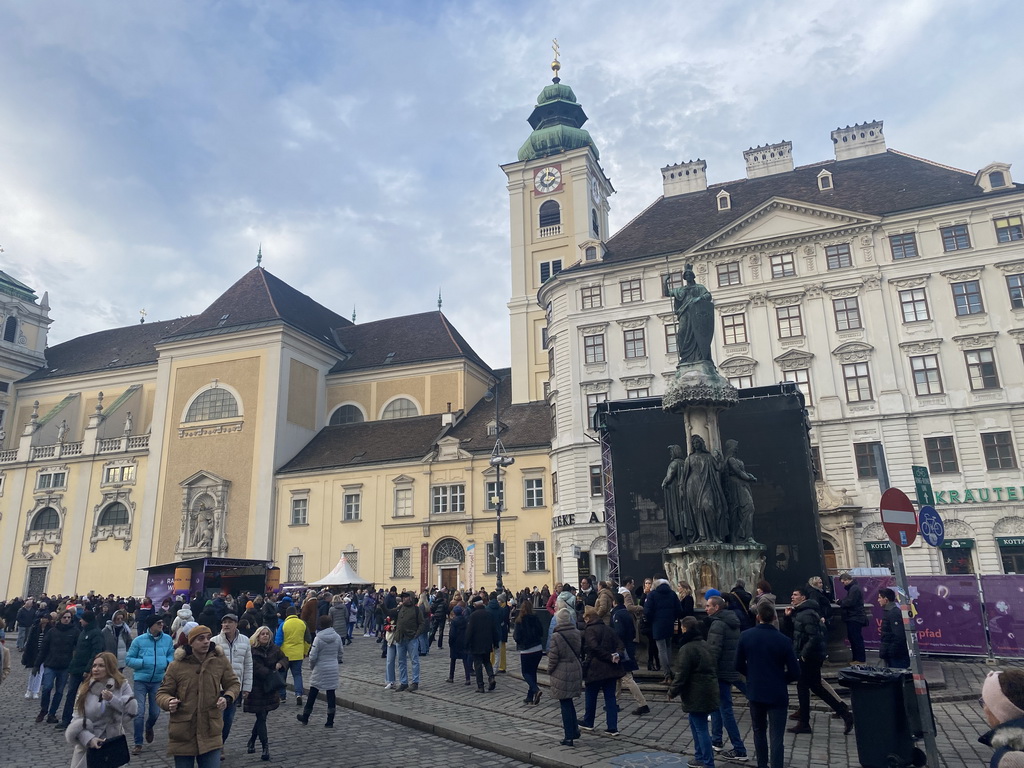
{"type": "Point", "coordinates": [11, 329]}
{"type": "Point", "coordinates": [114, 514]}
{"type": "Point", "coordinates": [347, 414]}
{"type": "Point", "coordinates": [996, 179]}
{"type": "Point", "coordinates": [449, 551]}
{"type": "Point", "coordinates": [550, 214]}
{"type": "Point", "coordinates": [594, 224]}
{"type": "Point", "coordinates": [591, 253]}
{"type": "Point", "coordinates": [216, 403]}
{"type": "Point", "coordinates": [46, 519]}
{"type": "Point", "coordinates": [400, 408]}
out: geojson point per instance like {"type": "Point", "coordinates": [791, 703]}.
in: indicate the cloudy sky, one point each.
{"type": "Point", "coordinates": [148, 149]}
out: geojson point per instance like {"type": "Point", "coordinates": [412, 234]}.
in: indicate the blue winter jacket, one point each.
{"type": "Point", "coordinates": [662, 608]}
{"type": "Point", "coordinates": [149, 656]}
{"type": "Point", "coordinates": [766, 657]}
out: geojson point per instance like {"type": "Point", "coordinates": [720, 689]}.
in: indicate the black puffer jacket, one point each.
{"type": "Point", "coordinates": [852, 605]}
{"type": "Point", "coordinates": [893, 643]}
{"type": "Point", "coordinates": [807, 642]}
{"type": "Point", "coordinates": [600, 642]}
{"type": "Point", "coordinates": [90, 642]}
{"type": "Point", "coordinates": [58, 646]}
{"type": "Point", "coordinates": [723, 640]}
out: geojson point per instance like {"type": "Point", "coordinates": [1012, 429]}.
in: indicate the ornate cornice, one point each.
{"type": "Point", "coordinates": [738, 366]}
{"type": "Point", "coordinates": [637, 382]}
{"type": "Point", "coordinates": [853, 352]}
{"type": "Point", "coordinates": [958, 275]}
{"type": "Point", "coordinates": [633, 323]}
{"type": "Point", "coordinates": [794, 359]}
{"type": "Point", "coordinates": [1010, 267]}
{"type": "Point", "coordinates": [913, 281]}
{"type": "Point", "coordinates": [596, 387]}
{"type": "Point", "coordinates": [976, 340]}
{"type": "Point", "coordinates": [592, 329]}
{"type": "Point", "coordinates": [922, 347]}
{"type": "Point", "coordinates": [842, 291]}
{"type": "Point", "coordinates": [1017, 334]}
{"type": "Point", "coordinates": [732, 308]}
{"type": "Point", "coordinates": [786, 300]}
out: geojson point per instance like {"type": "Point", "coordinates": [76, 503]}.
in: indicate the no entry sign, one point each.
{"type": "Point", "coordinates": [898, 517]}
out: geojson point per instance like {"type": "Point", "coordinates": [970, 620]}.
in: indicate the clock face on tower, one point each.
{"type": "Point", "coordinates": [547, 179]}
{"type": "Point", "coordinates": [595, 190]}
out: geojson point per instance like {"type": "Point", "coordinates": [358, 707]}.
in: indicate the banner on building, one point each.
{"type": "Point", "coordinates": [471, 566]}
{"type": "Point", "coordinates": [424, 565]}
{"type": "Point", "coordinates": [1004, 601]}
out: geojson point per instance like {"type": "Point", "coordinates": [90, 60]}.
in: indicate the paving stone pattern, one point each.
{"type": "Point", "coordinates": [453, 725]}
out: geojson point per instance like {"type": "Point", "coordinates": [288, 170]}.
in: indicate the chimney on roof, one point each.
{"type": "Point", "coordinates": [685, 177]}
{"type": "Point", "coordinates": [859, 140]}
{"type": "Point", "coordinates": [769, 159]}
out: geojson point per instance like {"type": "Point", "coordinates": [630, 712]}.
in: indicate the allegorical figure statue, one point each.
{"type": "Point", "coordinates": [680, 524]}
{"type": "Point", "coordinates": [695, 315]}
{"type": "Point", "coordinates": [736, 484]}
{"type": "Point", "coordinates": [703, 497]}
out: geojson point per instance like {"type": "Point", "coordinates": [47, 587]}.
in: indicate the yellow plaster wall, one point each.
{"type": "Point", "coordinates": [410, 387]}
{"type": "Point", "coordinates": [302, 389]}
{"type": "Point", "coordinates": [351, 393]}
{"type": "Point", "coordinates": [446, 388]}
{"type": "Point", "coordinates": [228, 455]}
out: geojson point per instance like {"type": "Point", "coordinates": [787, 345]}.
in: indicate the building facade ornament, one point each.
{"type": "Point", "coordinates": [1012, 525]}
{"type": "Point", "coordinates": [853, 352]}
{"type": "Point", "coordinates": [794, 359]}
{"type": "Point", "coordinates": [961, 274]}
{"type": "Point", "coordinates": [593, 329]}
{"type": "Point", "coordinates": [922, 347]}
{"type": "Point", "coordinates": [637, 382]}
{"type": "Point", "coordinates": [633, 323]}
{"type": "Point", "coordinates": [121, 531]}
{"type": "Point", "coordinates": [596, 387]}
{"type": "Point", "coordinates": [738, 366]}
{"type": "Point", "coordinates": [913, 281]}
{"type": "Point", "coordinates": [842, 291]}
{"type": "Point", "coordinates": [732, 308]}
{"type": "Point", "coordinates": [976, 340]}
{"type": "Point", "coordinates": [204, 512]}
{"type": "Point", "coordinates": [786, 300]}
{"type": "Point", "coordinates": [1011, 267]}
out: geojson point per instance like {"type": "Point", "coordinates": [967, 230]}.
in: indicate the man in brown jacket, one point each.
{"type": "Point", "coordinates": [197, 687]}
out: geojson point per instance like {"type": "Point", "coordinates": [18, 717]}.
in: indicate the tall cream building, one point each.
{"type": "Point", "coordinates": [889, 287]}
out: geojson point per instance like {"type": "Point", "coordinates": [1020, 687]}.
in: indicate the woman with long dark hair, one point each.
{"type": "Point", "coordinates": [267, 662]}
{"type": "Point", "coordinates": [104, 706]}
{"type": "Point", "coordinates": [529, 637]}
{"type": "Point", "coordinates": [28, 657]}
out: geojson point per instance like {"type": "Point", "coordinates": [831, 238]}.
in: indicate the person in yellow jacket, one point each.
{"type": "Point", "coordinates": [295, 644]}
{"type": "Point", "coordinates": [197, 687]}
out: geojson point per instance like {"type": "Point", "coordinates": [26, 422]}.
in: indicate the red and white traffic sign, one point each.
{"type": "Point", "coordinates": [898, 517]}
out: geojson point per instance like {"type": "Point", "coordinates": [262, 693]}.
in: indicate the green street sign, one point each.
{"type": "Point", "coordinates": [923, 485]}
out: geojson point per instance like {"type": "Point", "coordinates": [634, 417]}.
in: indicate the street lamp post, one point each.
{"type": "Point", "coordinates": [499, 458]}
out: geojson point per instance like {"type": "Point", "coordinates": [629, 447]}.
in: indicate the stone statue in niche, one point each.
{"type": "Point", "coordinates": [128, 424]}
{"type": "Point", "coordinates": [200, 532]}
{"type": "Point", "coordinates": [736, 484]}
{"type": "Point", "coordinates": [695, 313]}
{"type": "Point", "coordinates": [62, 431]}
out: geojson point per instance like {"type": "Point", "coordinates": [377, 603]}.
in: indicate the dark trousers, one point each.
{"type": "Point", "coordinates": [611, 707]}
{"type": "Point", "coordinates": [229, 717]}
{"type": "Point", "coordinates": [570, 724]}
{"type": "Point", "coordinates": [69, 700]}
{"type": "Point", "coordinates": [854, 634]}
{"type": "Point", "coordinates": [307, 709]}
{"type": "Point", "coordinates": [768, 722]}
{"type": "Point", "coordinates": [810, 680]}
{"type": "Point", "coordinates": [482, 661]}
{"type": "Point", "coordinates": [530, 662]}
{"type": "Point", "coordinates": [438, 631]}
{"type": "Point", "coordinates": [259, 730]}
{"type": "Point", "coordinates": [467, 665]}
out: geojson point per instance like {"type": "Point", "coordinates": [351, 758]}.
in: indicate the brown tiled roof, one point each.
{"type": "Point", "coordinates": [524, 425]}
{"type": "Point", "coordinates": [260, 298]}
{"type": "Point", "coordinates": [127, 347]}
{"type": "Point", "coordinates": [370, 442]}
{"type": "Point", "coordinates": [885, 183]}
{"type": "Point", "coordinates": [409, 339]}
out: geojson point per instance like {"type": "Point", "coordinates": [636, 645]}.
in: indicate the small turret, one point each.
{"type": "Point", "coordinates": [859, 140]}
{"type": "Point", "coordinates": [769, 159]}
{"type": "Point", "coordinates": [685, 177]}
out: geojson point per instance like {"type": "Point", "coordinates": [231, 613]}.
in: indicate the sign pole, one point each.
{"type": "Point", "coordinates": [924, 702]}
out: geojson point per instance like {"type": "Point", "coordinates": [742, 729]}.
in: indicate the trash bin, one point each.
{"type": "Point", "coordinates": [886, 715]}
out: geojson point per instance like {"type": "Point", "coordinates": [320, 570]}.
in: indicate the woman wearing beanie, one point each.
{"type": "Point", "coordinates": [1002, 700]}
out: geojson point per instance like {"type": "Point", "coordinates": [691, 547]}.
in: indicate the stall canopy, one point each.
{"type": "Point", "coordinates": [341, 576]}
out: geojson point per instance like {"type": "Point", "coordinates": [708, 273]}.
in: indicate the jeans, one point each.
{"type": "Point", "coordinates": [406, 650]}
{"type": "Point", "coordinates": [701, 739]}
{"type": "Point", "coordinates": [569, 722]}
{"type": "Point", "coordinates": [768, 722]}
{"type": "Point", "coordinates": [610, 706]}
{"type": "Point", "coordinates": [22, 637]}
{"type": "Point", "coordinates": [145, 693]}
{"type": "Point", "coordinates": [724, 715]}
{"type": "Point", "coordinates": [295, 667]}
{"type": "Point", "coordinates": [35, 681]}
{"type": "Point", "coordinates": [810, 680]}
{"type": "Point", "coordinates": [54, 679]}
{"type": "Point", "coordinates": [853, 634]}
{"type": "Point", "coordinates": [467, 665]}
{"type": "Point", "coordinates": [529, 663]}
{"type": "Point", "coordinates": [423, 644]}
{"type": "Point", "coordinates": [207, 760]}
{"type": "Point", "coordinates": [370, 626]}
{"type": "Point", "coordinates": [665, 654]}
{"type": "Point", "coordinates": [482, 661]}
{"type": "Point", "coordinates": [228, 715]}
{"type": "Point", "coordinates": [69, 701]}
{"type": "Point", "coordinates": [389, 669]}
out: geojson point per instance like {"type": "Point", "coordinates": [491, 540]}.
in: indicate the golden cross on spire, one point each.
{"type": "Point", "coordinates": [555, 66]}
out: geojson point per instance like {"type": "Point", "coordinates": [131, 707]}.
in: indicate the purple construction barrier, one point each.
{"type": "Point", "coordinates": [1004, 599]}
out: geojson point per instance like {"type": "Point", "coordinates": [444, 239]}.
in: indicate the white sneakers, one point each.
{"type": "Point", "coordinates": [388, 685]}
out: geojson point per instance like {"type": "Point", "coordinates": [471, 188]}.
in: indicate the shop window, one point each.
{"type": "Point", "coordinates": [956, 556]}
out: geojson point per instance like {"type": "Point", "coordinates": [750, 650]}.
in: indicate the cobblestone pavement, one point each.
{"type": "Point", "coordinates": [451, 724]}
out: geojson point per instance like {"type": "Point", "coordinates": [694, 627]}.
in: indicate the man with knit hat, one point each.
{"type": "Point", "coordinates": [90, 642]}
{"type": "Point", "coordinates": [1002, 701]}
{"type": "Point", "coordinates": [197, 687]}
{"type": "Point", "coordinates": [149, 655]}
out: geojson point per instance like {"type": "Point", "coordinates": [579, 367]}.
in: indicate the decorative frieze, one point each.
{"type": "Point", "coordinates": [976, 340]}
{"type": "Point", "coordinates": [794, 360]}
{"type": "Point", "coordinates": [596, 387]}
{"type": "Point", "coordinates": [786, 300]}
{"type": "Point", "coordinates": [913, 281]}
{"type": "Point", "coordinates": [842, 291]}
{"type": "Point", "coordinates": [959, 275]}
{"type": "Point", "coordinates": [213, 429]}
{"type": "Point", "coordinates": [633, 323]}
{"type": "Point", "coordinates": [922, 347]}
{"type": "Point", "coordinates": [853, 352]}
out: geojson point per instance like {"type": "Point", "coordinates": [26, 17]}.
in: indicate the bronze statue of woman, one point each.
{"type": "Point", "coordinates": [702, 493]}
{"type": "Point", "coordinates": [680, 524]}
{"type": "Point", "coordinates": [695, 315]}
{"type": "Point", "coordinates": [736, 483]}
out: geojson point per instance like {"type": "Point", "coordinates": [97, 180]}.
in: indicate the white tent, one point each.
{"type": "Point", "coordinates": [341, 576]}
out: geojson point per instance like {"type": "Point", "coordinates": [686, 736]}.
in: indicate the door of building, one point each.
{"type": "Point", "coordinates": [450, 578]}
{"type": "Point", "coordinates": [36, 581]}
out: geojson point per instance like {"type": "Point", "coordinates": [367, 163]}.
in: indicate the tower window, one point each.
{"type": "Point", "coordinates": [11, 329]}
{"type": "Point", "coordinates": [594, 224]}
{"type": "Point", "coordinates": [550, 214]}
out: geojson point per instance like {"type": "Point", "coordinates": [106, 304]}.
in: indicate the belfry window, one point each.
{"type": "Point", "coordinates": [550, 214]}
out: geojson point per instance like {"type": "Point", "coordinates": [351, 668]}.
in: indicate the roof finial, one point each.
{"type": "Point", "coordinates": [353, 314]}
{"type": "Point", "coordinates": [142, 316]}
{"type": "Point", "coordinates": [555, 66]}
{"type": "Point", "coordinates": [259, 256]}
{"type": "Point", "coordinates": [439, 300]}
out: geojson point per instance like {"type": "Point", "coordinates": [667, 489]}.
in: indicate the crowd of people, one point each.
{"type": "Point", "coordinates": [201, 661]}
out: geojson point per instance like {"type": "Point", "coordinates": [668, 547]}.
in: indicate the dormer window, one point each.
{"type": "Point", "coordinates": [724, 201]}
{"type": "Point", "coordinates": [824, 181]}
{"type": "Point", "coordinates": [591, 253]}
{"type": "Point", "coordinates": [997, 179]}
{"type": "Point", "coordinates": [994, 176]}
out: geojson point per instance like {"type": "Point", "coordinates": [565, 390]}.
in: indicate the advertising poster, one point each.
{"type": "Point", "coordinates": [946, 612]}
{"type": "Point", "coordinates": [159, 586]}
{"type": "Point", "coordinates": [1004, 598]}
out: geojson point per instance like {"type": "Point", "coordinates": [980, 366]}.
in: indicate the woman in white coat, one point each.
{"type": "Point", "coordinates": [104, 708]}
{"type": "Point", "coordinates": [324, 658]}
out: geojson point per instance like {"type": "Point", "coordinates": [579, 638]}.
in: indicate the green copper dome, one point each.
{"type": "Point", "coordinates": [557, 123]}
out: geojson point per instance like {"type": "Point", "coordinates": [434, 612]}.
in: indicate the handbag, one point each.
{"type": "Point", "coordinates": [111, 754]}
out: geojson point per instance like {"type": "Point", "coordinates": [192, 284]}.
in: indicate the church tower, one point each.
{"type": "Point", "coordinates": [558, 204]}
{"type": "Point", "coordinates": [24, 321]}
